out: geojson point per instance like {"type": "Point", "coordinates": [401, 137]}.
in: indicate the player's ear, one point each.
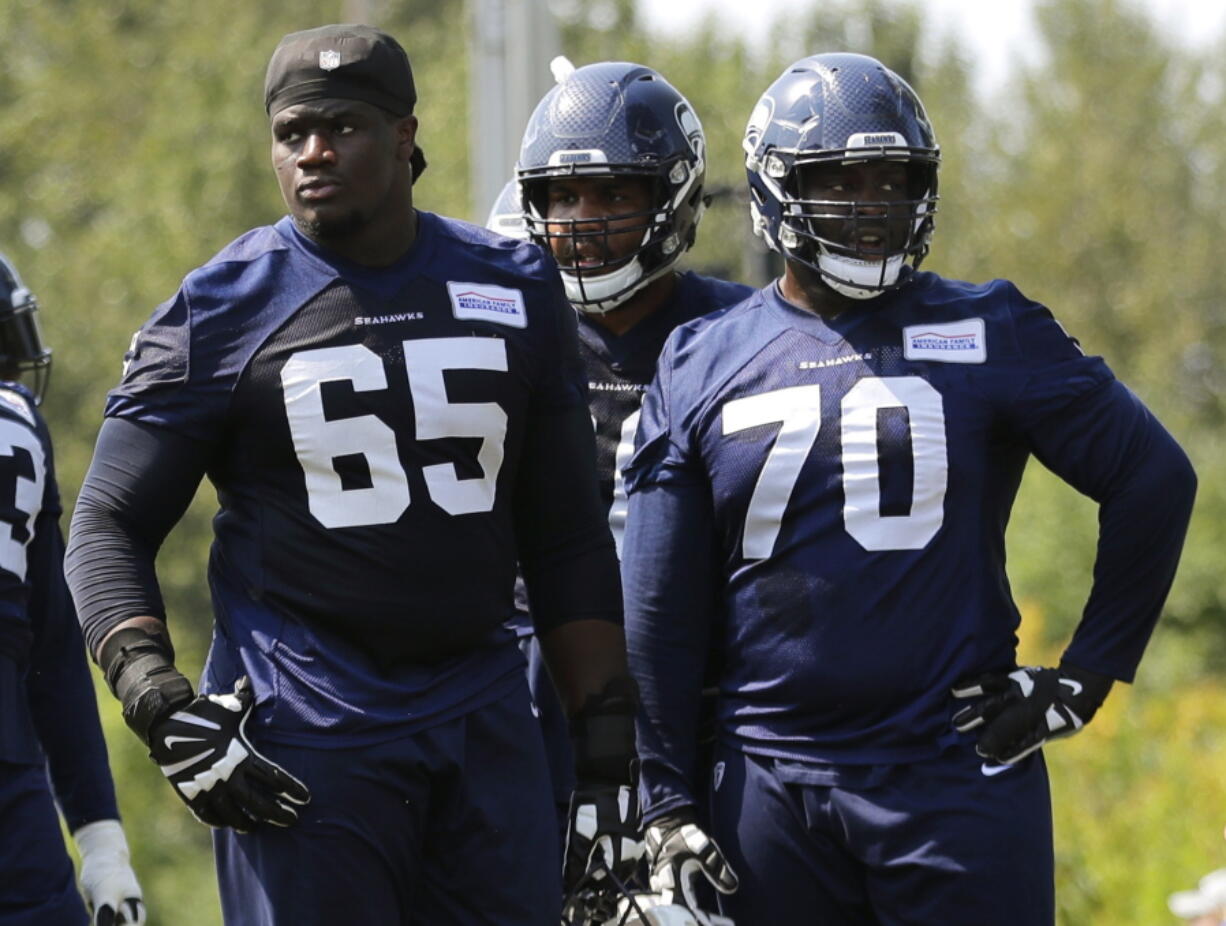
{"type": "Point", "coordinates": [405, 130]}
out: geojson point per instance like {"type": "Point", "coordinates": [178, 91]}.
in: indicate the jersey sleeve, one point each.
{"type": "Point", "coordinates": [565, 383]}
{"type": "Point", "coordinates": [61, 691]}
{"type": "Point", "coordinates": [565, 546]}
{"type": "Point", "coordinates": [166, 383]}
{"type": "Point", "coordinates": [662, 451]}
{"type": "Point", "coordinates": [669, 535]}
{"type": "Point", "coordinates": [58, 701]}
{"type": "Point", "coordinates": [1089, 429]}
{"type": "Point", "coordinates": [563, 539]}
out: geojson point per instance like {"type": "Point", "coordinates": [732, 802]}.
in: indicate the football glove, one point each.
{"type": "Point", "coordinates": [1017, 712]}
{"type": "Point", "coordinates": [602, 834]}
{"type": "Point", "coordinates": [602, 830]}
{"type": "Point", "coordinates": [677, 852]}
{"type": "Point", "coordinates": [108, 883]}
{"type": "Point", "coordinates": [203, 750]}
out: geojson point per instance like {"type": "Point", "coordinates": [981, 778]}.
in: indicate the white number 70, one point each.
{"type": "Point", "coordinates": [797, 410]}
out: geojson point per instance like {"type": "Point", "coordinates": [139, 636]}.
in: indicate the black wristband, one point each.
{"type": "Point", "coordinates": [140, 670]}
{"type": "Point", "coordinates": [602, 735]}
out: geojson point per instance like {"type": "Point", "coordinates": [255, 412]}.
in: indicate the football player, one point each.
{"type": "Point", "coordinates": [391, 408]}
{"type": "Point", "coordinates": [48, 713]}
{"type": "Point", "coordinates": [610, 178]}
{"type": "Point", "coordinates": [831, 465]}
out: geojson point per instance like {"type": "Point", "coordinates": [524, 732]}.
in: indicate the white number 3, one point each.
{"type": "Point", "coordinates": [27, 492]}
{"type": "Point", "coordinates": [798, 412]}
{"type": "Point", "coordinates": [318, 441]}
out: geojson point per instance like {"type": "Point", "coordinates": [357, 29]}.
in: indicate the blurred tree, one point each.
{"type": "Point", "coordinates": [1097, 190]}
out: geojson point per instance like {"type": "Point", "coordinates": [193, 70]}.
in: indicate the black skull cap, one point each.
{"type": "Point", "coordinates": [348, 62]}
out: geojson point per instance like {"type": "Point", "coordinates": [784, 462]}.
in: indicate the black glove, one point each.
{"type": "Point", "coordinates": [678, 851]}
{"type": "Point", "coordinates": [1021, 710]}
{"type": "Point", "coordinates": [602, 830]}
{"type": "Point", "coordinates": [602, 834]}
{"type": "Point", "coordinates": [203, 750]}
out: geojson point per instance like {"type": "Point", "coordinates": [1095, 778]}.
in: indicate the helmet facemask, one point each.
{"type": "Point", "coordinates": [850, 112]}
{"type": "Point", "coordinates": [858, 247]}
{"type": "Point", "coordinates": [597, 278]}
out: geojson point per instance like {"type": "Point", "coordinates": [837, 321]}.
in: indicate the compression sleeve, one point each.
{"type": "Point", "coordinates": [60, 689]}
{"type": "Point", "coordinates": [565, 547]}
{"type": "Point", "coordinates": [140, 482]}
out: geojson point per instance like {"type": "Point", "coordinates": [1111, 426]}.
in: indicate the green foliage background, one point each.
{"type": "Point", "coordinates": [133, 145]}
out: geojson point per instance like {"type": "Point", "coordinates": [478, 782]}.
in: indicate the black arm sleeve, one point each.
{"type": "Point", "coordinates": [565, 546]}
{"type": "Point", "coordinates": [140, 482]}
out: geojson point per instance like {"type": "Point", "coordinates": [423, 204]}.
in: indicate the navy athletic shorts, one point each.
{"type": "Point", "coordinates": [452, 826]}
{"type": "Point", "coordinates": [952, 840]}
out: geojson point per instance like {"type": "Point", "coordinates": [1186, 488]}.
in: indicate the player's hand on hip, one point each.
{"type": "Point", "coordinates": [204, 752]}
{"type": "Point", "coordinates": [1017, 712]}
{"type": "Point", "coordinates": [108, 883]}
{"type": "Point", "coordinates": [678, 851]}
{"type": "Point", "coordinates": [602, 834]}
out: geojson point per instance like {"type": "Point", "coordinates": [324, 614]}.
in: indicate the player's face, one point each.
{"type": "Point", "coordinates": [595, 224]}
{"type": "Point", "coordinates": [864, 205]}
{"type": "Point", "coordinates": [341, 165]}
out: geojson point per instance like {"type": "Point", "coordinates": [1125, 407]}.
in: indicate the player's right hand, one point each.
{"type": "Point", "coordinates": [677, 852]}
{"type": "Point", "coordinates": [203, 750]}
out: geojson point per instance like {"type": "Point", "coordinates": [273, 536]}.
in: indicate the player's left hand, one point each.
{"type": "Point", "coordinates": [602, 834]}
{"type": "Point", "coordinates": [108, 883]}
{"type": "Point", "coordinates": [1021, 710]}
{"type": "Point", "coordinates": [203, 750]}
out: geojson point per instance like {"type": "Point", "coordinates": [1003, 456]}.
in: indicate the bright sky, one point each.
{"type": "Point", "coordinates": [995, 31]}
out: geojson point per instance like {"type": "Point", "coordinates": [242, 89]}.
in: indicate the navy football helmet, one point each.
{"type": "Point", "coordinates": [845, 109]}
{"type": "Point", "coordinates": [22, 353]}
{"type": "Point", "coordinates": [506, 215]}
{"type": "Point", "coordinates": [621, 119]}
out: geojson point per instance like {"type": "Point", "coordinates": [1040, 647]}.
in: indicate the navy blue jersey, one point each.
{"type": "Point", "coordinates": [369, 433]}
{"type": "Point", "coordinates": [620, 367]}
{"type": "Point", "coordinates": [47, 707]}
{"type": "Point", "coordinates": [840, 491]}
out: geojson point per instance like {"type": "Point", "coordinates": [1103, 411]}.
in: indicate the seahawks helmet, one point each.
{"type": "Point", "coordinates": [621, 119]}
{"type": "Point", "coordinates": [847, 109]}
{"type": "Point", "coordinates": [22, 354]}
{"type": "Point", "coordinates": [506, 215]}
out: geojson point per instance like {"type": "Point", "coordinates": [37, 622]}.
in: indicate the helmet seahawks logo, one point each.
{"type": "Point", "coordinates": [759, 119]}
{"type": "Point", "coordinates": [690, 127]}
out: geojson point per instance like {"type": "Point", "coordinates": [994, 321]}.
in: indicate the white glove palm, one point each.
{"type": "Point", "coordinates": [108, 883]}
